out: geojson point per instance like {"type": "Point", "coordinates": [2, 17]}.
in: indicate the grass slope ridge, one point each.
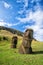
{"type": "Point", "coordinates": [14, 31]}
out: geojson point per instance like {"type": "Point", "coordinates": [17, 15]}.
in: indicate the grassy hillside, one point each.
{"type": "Point", "coordinates": [13, 31]}
{"type": "Point", "coordinates": [9, 56]}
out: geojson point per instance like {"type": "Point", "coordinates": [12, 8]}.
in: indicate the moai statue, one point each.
{"type": "Point", "coordinates": [14, 42]}
{"type": "Point", "coordinates": [25, 47]}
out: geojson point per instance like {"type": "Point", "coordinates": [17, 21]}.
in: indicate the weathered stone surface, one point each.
{"type": "Point", "coordinates": [14, 42]}
{"type": "Point", "coordinates": [25, 47]}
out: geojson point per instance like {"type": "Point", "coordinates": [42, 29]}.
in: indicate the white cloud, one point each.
{"type": "Point", "coordinates": [16, 24]}
{"type": "Point", "coordinates": [34, 27]}
{"type": "Point", "coordinates": [18, 1]}
{"type": "Point", "coordinates": [3, 23]}
{"type": "Point", "coordinates": [6, 5]}
{"type": "Point", "coordinates": [35, 1]}
{"type": "Point", "coordinates": [24, 6]}
{"type": "Point", "coordinates": [26, 3]}
{"type": "Point", "coordinates": [37, 17]}
{"type": "Point", "coordinates": [38, 32]}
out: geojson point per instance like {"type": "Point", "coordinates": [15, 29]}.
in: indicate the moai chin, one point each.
{"type": "Point", "coordinates": [25, 47]}
{"type": "Point", "coordinates": [14, 42]}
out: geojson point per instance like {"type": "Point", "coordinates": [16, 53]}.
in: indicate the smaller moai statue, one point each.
{"type": "Point", "coordinates": [14, 42]}
{"type": "Point", "coordinates": [25, 47]}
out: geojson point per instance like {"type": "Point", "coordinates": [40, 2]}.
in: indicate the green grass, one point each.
{"type": "Point", "coordinates": [9, 56]}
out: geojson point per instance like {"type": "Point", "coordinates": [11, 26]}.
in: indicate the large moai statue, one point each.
{"type": "Point", "coordinates": [14, 42]}
{"type": "Point", "coordinates": [25, 47]}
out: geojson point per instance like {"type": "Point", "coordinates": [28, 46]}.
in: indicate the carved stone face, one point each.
{"type": "Point", "coordinates": [29, 34]}
{"type": "Point", "coordinates": [14, 42]}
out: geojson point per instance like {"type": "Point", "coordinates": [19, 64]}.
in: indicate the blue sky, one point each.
{"type": "Point", "coordinates": [23, 14]}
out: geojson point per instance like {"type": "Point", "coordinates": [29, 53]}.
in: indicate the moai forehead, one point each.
{"type": "Point", "coordinates": [30, 30]}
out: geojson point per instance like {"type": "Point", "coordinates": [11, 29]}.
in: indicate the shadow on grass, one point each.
{"type": "Point", "coordinates": [38, 52]}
